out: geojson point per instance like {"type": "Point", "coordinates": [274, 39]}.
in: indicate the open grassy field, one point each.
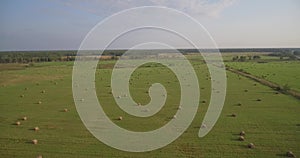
{"type": "Point", "coordinates": [279, 72]}
{"type": "Point", "coordinates": [42, 92]}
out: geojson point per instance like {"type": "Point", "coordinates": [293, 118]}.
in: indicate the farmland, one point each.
{"type": "Point", "coordinates": [282, 73]}
{"type": "Point", "coordinates": [41, 92]}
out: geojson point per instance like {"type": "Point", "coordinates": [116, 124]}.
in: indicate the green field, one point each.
{"type": "Point", "coordinates": [279, 72]}
{"type": "Point", "coordinates": [272, 124]}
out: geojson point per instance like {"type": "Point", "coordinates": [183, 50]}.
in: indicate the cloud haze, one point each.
{"type": "Point", "coordinates": [195, 8]}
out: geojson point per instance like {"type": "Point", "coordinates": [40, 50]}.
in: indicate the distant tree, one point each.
{"type": "Point", "coordinates": [242, 58]}
{"type": "Point", "coordinates": [235, 58]}
{"type": "Point", "coordinates": [255, 57]}
{"type": "Point", "coordinates": [297, 52]}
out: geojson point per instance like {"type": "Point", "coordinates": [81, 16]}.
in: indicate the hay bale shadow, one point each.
{"type": "Point", "coordinates": [281, 155]}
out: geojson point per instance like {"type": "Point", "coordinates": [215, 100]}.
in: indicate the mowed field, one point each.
{"type": "Point", "coordinates": [42, 91]}
{"type": "Point", "coordinates": [279, 72]}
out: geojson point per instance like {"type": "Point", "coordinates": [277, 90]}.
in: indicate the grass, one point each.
{"type": "Point", "coordinates": [271, 124]}
{"type": "Point", "coordinates": [281, 73]}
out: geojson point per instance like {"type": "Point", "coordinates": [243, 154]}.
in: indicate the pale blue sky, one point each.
{"type": "Point", "coordinates": [63, 24]}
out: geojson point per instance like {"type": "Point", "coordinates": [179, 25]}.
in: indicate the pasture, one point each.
{"type": "Point", "coordinates": [279, 72]}
{"type": "Point", "coordinates": [43, 91]}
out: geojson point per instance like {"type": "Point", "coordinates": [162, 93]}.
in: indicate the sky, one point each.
{"type": "Point", "coordinates": [63, 24]}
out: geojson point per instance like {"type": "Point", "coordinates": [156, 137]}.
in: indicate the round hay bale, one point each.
{"type": "Point", "coordinates": [34, 141]}
{"type": "Point", "coordinates": [119, 97]}
{"type": "Point", "coordinates": [203, 126]}
{"type": "Point", "coordinates": [233, 115]}
{"type": "Point", "coordinates": [24, 118]}
{"type": "Point", "coordinates": [120, 118]}
{"type": "Point", "coordinates": [180, 107]}
{"type": "Point", "coordinates": [241, 138]}
{"type": "Point", "coordinates": [18, 123]}
{"type": "Point", "coordinates": [39, 156]}
{"type": "Point", "coordinates": [36, 128]}
{"type": "Point", "coordinates": [290, 154]}
{"type": "Point", "coordinates": [22, 95]}
{"type": "Point", "coordinates": [40, 102]}
{"type": "Point", "coordinates": [82, 99]}
{"type": "Point", "coordinates": [43, 91]}
{"type": "Point", "coordinates": [251, 146]}
{"type": "Point", "coordinates": [242, 133]}
{"type": "Point", "coordinates": [174, 117]}
{"type": "Point", "coordinates": [66, 110]}
{"type": "Point", "coordinates": [258, 99]}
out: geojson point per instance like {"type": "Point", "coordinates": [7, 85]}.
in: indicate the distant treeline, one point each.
{"type": "Point", "coordinates": [69, 55]}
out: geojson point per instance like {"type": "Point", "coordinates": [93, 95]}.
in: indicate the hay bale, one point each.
{"type": "Point", "coordinates": [18, 123]}
{"type": "Point", "coordinates": [251, 146]}
{"type": "Point", "coordinates": [34, 141]}
{"type": "Point", "coordinates": [203, 126]}
{"type": "Point", "coordinates": [40, 102]}
{"type": "Point", "coordinates": [66, 110]}
{"type": "Point", "coordinates": [39, 156]}
{"type": "Point", "coordinates": [120, 118]}
{"type": "Point", "coordinates": [180, 107]}
{"type": "Point", "coordinates": [22, 95]}
{"type": "Point", "coordinates": [147, 110]}
{"type": "Point", "coordinates": [241, 138]}
{"type": "Point", "coordinates": [242, 133]}
{"type": "Point", "coordinates": [36, 128]}
{"type": "Point", "coordinates": [43, 91]}
{"type": "Point", "coordinates": [174, 117]}
{"type": "Point", "coordinates": [24, 118]}
{"type": "Point", "coordinates": [290, 154]}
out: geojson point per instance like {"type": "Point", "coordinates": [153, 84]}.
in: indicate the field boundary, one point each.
{"type": "Point", "coordinates": [262, 81]}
